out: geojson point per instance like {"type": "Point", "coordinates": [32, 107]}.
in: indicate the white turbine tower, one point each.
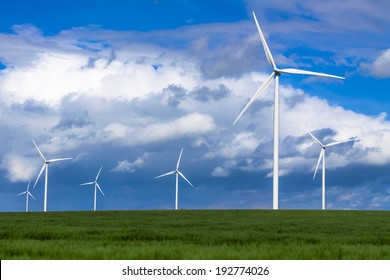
{"type": "Point", "coordinates": [322, 156]}
{"type": "Point", "coordinates": [27, 192]}
{"type": "Point", "coordinates": [96, 187]}
{"type": "Point", "coordinates": [177, 171]}
{"type": "Point", "coordinates": [46, 168]}
{"type": "Point", "coordinates": [275, 75]}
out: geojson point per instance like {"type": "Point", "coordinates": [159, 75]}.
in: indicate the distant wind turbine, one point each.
{"type": "Point", "coordinates": [27, 192]}
{"type": "Point", "coordinates": [46, 168]}
{"type": "Point", "coordinates": [96, 187]}
{"type": "Point", "coordinates": [177, 171]}
{"type": "Point", "coordinates": [275, 75]}
{"type": "Point", "coordinates": [322, 156]}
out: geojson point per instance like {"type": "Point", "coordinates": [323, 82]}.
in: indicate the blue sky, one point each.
{"type": "Point", "coordinates": [127, 84]}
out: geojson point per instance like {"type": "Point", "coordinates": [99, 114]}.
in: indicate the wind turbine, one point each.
{"type": "Point", "coordinates": [96, 186]}
{"type": "Point", "coordinates": [322, 156]}
{"type": "Point", "coordinates": [46, 168]}
{"type": "Point", "coordinates": [177, 171]}
{"type": "Point", "coordinates": [275, 75]}
{"type": "Point", "coordinates": [27, 192]}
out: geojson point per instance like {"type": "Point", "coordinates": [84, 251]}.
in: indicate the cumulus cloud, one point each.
{"type": "Point", "coordinates": [18, 168]}
{"type": "Point", "coordinates": [299, 113]}
{"type": "Point", "coordinates": [127, 166]}
{"type": "Point", "coordinates": [219, 172]}
{"type": "Point", "coordinates": [71, 91]}
{"type": "Point", "coordinates": [243, 144]}
{"type": "Point", "coordinates": [55, 72]}
{"type": "Point", "coordinates": [380, 68]}
{"type": "Point", "coordinates": [187, 125]}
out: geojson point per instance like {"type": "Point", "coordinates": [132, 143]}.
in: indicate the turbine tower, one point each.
{"type": "Point", "coordinates": [46, 168]}
{"type": "Point", "coordinates": [177, 171]}
{"type": "Point", "coordinates": [96, 187]}
{"type": "Point", "coordinates": [275, 75]}
{"type": "Point", "coordinates": [27, 192]}
{"type": "Point", "coordinates": [322, 156]}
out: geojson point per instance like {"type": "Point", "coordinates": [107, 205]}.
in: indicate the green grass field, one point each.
{"type": "Point", "coordinates": [187, 234]}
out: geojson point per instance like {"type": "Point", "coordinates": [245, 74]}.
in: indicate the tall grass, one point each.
{"type": "Point", "coordinates": [219, 234]}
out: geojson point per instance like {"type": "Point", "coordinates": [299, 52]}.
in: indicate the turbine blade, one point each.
{"type": "Point", "coordinates": [259, 91]}
{"type": "Point", "coordinates": [181, 174]}
{"type": "Point", "coordinates": [97, 176]}
{"type": "Point", "coordinates": [339, 142]}
{"type": "Point", "coordinates": [315, 139]}
{"type": "Point", "coordinates": [39, 175]}
{"type": "Point", "coordinates": [21, 193]}
{"type": "Point", "coordinates": [305, 72]}
{"type": "Point", "coordinates": [58, 159]}
{"type": "Point", "coordinates": [318, 162]}
{"type": "Point", "coordinates": [31, 195]}
{"type": "Point", "coordinates": [89, 183]}
{"type": "Point", "coordinates": [39, 151]}
{"type": "Point", "coordinates": [166, 174]}
{"type": "Point", "coordinates": [265, 45]}
{"type": "Point", "coordinates": [100, 189]}
{"type": "Point", "coordinates": [178, 161]}
{"type": "Point", "coordinates": [28, 185]}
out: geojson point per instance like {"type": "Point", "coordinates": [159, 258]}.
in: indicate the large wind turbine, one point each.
{"type": "Point", "coordinates": [177, 171]}
{"type": "Point", "coordinates": [27, 192]}
{"type": "Point", "coordinates": [46, 168]}
{"type": "Point", "coordinates": [322, 156]}
{"type": "Point", "coordinates": [275, 75]}
{"type": "Point", "coordinates": [96, 187]}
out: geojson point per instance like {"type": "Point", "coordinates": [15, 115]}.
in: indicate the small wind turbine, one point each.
{"type": "Point", "coordinates": [96, 186]}
{"type": "Point", "coordinates": [322, 156]}
{"type": "Point", "coordinates": [177, 171]}
{"type": "Point", "coordinates": [46, 168]}
{"type": "Point", "coordinates": [275, 75]}
{"type": "Point", "coordinates": [27, 192]}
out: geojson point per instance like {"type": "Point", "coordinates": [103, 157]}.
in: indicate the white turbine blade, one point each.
{"type": "Point", "coordinates": [305, 72]}
{"type": "Point", "coordinates": [259, 91]}
{"type": "Point", "coordinates": [181, 174]}
{"type": "Point", "coordinates": [97, 185]}
{"type": "Point", "coordinates": [318, 162]}
{"type": "Point", "coordinates": [89, 183]}
{"type": "Point", "coordinates": [265, 45]}
{"type": "Point", "coordinates": [58, 159]}
{"type": "Point", "coordinates": [315, 139]}
{"type": "Point", "coordinates": [178, 161]}
{"type": "Point", "coordinates": [339, 142]}
{"type": "Point", "coordinates": [97, 176]}
{"type": "Point", "coordinates": [39, 175]}
{"type": "Point", "coordinates": [39, 151]}
{"type": "Point", "coordinates": [21, 193]}
{"type": "Point", "coordinates": [31, 195]}
{"type": "Point", "coordinates": [166, 174]}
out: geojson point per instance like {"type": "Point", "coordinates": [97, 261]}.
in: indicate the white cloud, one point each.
{"type": "Point", "coordinates": [188, 125]}
{"type": "Point", "coordinates": [53, 72]}
{"type": "Point", "coordinates": [127, 166]}
{"type": "Point", "coordinates": [243, 144]}
{"type": "Point", "coordinates": [114, 131]}
{"type": "Point", "coordinates": [219, 172]}
{"type": "Point", "coordinates": [18, 168]}
{"type": "Point", "coordinates": [380, 68]}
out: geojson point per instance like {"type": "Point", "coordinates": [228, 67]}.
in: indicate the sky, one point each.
{"type": "Point", "coordinates": [127, 84]}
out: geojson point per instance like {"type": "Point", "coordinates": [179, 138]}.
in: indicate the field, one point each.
{"type": "Point", "coordinates": [198, 234]}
